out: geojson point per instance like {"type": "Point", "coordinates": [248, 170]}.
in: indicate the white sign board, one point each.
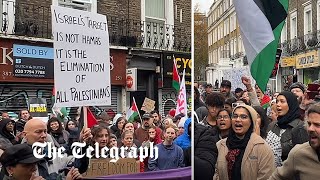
{"type": "Point", "coordinates": [234, 76]}
{"type": "Point", "coordinates": [132, 79]}
{"type": "Point", "coordinates": [81, 58]}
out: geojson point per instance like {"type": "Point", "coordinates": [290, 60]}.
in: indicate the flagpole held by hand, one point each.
{"type": "Point", "coordinates": [85, 117]}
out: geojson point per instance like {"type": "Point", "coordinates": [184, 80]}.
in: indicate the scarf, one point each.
{"type": "Point", "coordinates": [4, 132]}
{"type": "Point", "coordinates": [236, 148]}
{"type": "Point", "coordinates": [293, 112]}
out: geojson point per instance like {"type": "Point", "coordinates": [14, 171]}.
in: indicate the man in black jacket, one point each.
{"type": "Point", "coordinates": [205, 151]}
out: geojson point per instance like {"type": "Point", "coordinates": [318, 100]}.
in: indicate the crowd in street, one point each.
{"type": "Point", "coordinates": [171, 134]}
{"type": "Point", "coordinates": [249, 134]}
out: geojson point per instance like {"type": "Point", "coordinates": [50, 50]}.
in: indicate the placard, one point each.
{"type": "Point", "coordinates": [38, 108]}
{"type": "Point", "coordinates": [234, 76]}
{"type": "Point", "coordinates": [103, 167]}
{"type": "Point", "coordinates": [81, 58]}
{"type": "Point", "coordinates": [148, 105]}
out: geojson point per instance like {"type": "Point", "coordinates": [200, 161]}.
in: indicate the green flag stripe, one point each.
{"type": "Point", "coordinates": [264, 62]}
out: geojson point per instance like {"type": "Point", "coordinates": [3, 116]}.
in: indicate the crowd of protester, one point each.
{"type": "Point", "coordinates": [249, 134]}
{"type": "Point", "coordinates": [171, 134]}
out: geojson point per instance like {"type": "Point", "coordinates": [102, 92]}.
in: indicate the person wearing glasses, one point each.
{"type": "Point", "coordinates": [223, 123]}
{"type": "Point", "coordinates": [244, 154]}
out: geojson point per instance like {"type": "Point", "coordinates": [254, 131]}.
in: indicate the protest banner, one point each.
{"type": "Point", "coordinates": [148, 105]}
{"type": "Point", "coordinates": [103, 167]}
{"type": "Point", "coordinates": [234, 76]}
{"type": "Point", "coordinates": [81, 58]}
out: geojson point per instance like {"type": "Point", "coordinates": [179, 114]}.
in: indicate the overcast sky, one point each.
{"type": "Point", "coordinates": [204, 4]}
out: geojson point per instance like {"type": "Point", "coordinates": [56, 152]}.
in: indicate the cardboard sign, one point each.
{"type": "Point", "coordinates": [103, 167]}
{"type": "Point", "coordinates": [81, 58]}
{"type": "Point", "coordinates": [148, 105]}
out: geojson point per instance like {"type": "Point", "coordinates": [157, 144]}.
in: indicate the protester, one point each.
{"type": "Point", "coordinates": [7, 133]}
{"type": "Point", "coordinates": [24, 116]}
{"type": "Point", "coordinates": [156, 118]}
{"type": "Point", "coordinates": [71, 125]}
{"type": "Point", "coordinates": [60, 136]}
{"type": "Point", "coordinates": [263, 121]}
{"type": "Point", "coordinates": [127, 142]}
{"type": "Point", "coordinates": [223, 123]}
{"type": "Point", "coordinates": [113, 141]}
{"type": "Point", "coordinates": [36, 131]}
{"type": "Point", "coordinates": [117, 127]}
{"type": "Point", "coordinates": [128, 126]}
{"type": "Point", "coordinates": [214, 102]}
{"type": "Point", "coordinates": [303, 161]}
{"type": "Point", "coordinates": [5, 115]}
{"type": "Point", "coordinates": [238, 92]}
{"type": "Point", "coordinates": [18, 162]}
{"type": "Point", "coordinates": [250, 96]}
{"type": "Point", "coordinates": [170, 155]}
{"type": "Point", "coordinates": [104, 119]}
{"type": "Point", "coordinates": [228, 104]}
{"type": "Point", "coordinates": [181, 126]}
{"type": "Point", "coordinates": [100, 135]}
{"type": "Point", "coordinates": [142, 132]}
{"type": "Point", "coordinates": [298, 90]}
{"type": "Point", "coordinates": [225, 89]}
{"type": "Point", "coordinates": [244, 154]}
{"type": "Point", "coordinates": [274, 112]}
{"type": "Point", "coordinates": [184, 141]}
{"type": "Point", "coordinates": [205, 151]}
{"type": "Point", "coordinates": [208, 90]}
{"type": "Point", "coordinates": [288, 130]}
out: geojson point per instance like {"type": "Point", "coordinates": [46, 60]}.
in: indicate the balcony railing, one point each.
{"type": "Point", "coordinates": [32, 20]}
{"type": "Point", "coordinates": [300, 44]}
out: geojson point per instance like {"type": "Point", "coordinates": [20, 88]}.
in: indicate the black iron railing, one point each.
{"type": "Point", "coordinates": [300, 44]}
{"type": "Point", "coordinates": [31, 20]}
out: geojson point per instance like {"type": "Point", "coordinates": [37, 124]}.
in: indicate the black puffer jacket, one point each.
{"type": "Point", "coordinates": [205, 152]}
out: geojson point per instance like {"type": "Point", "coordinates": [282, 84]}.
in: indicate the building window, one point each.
{"type": "Point", "coordinates": [307, 19]}
{"type": "Point", "coordinates": [284, 33]}
{"type": "Point", "coordinates": [155, 8]}
{"type": "Point", "coordinates": [85, 5]}
{"type": "Point", "coordinates": [293, 25]}
{"type": "Point", "coordinates": [180, 15]}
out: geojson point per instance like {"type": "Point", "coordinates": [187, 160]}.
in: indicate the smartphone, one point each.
{"type": "Point", "coordinates": [313, 87]}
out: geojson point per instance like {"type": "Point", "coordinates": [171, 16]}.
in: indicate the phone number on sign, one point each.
{"type": "Point", "coordinates": [28, 71]}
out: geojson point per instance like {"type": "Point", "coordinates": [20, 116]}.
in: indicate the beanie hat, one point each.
{"type": "Point", "coordinates": [253, 113]}
{"type": "Point", "coordinates": [297, 85]}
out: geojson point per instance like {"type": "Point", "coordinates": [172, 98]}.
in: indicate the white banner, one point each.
{"type": "Point", "coordinates": [234, 76]}
{"type": "Point", "coordinates": [81, 58]}
{"type": "Point", "coordinates": [182, 98]}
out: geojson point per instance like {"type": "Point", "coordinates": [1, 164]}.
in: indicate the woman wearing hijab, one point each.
{"type": "Point", "coordinates": [244, 155]}
{"type": "Point", "coordinates": [288, 130]}
{"type": "Point", "coordinates": [7, 133]}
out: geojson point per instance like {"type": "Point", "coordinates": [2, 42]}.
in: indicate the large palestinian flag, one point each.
{"type": "Point", "coordinates": [261, 22]}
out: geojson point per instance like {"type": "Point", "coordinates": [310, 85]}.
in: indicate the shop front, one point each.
{"type": "Point", "coordinates": [26, 71]}
{"type": "Point", "coordinates": [287, 72]}
{"type": "Point", "coordinates": [309, 64]}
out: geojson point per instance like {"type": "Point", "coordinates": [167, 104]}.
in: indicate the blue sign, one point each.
{"type": "Point", "coordinates": [32, 52]}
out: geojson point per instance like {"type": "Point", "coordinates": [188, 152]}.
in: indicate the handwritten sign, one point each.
{"type": "Point", "coordinates": [234, 76]}
{"type": "Point", "coordinates": [148, 105]}
{"type": "Point", "coordinates": [103, 167]}
{"type": "Point", "coordinates": [81, 58]}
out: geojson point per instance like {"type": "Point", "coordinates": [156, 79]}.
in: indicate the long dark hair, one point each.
{"type": "Point", "coordinates": [71, 120]}
{"type": "Point", "coordinates": [96, 130]}
{"type": "Point", "coordinates": [54, 119]}
{"type": "Point", "coordinates": [265, 121]}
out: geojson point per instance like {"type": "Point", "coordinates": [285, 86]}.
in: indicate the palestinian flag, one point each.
{"type": "Point", "coordinates": [132, 112]}
{"type": "Point", "coordinates": [261, 22]}
{"type": "Point", "coordinates": [91, 120]}
{"type": "Point", "coordinates": [265, 102]}
{"type": "Point", "coordinates": [60, 113]}
{"type": "Point", "coordinates": [175, 76]}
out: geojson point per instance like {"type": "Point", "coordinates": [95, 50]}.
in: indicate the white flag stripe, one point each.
{"type": "Point", "coordinates": [250, 17]}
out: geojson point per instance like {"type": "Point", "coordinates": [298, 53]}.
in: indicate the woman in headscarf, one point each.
{"type": "Point", "coordinates": [7, 133]}
{"type": "Point", "coordinates": [244, 155]}
{"type": "Point", "coordinates": [118, 125]}
{"type": "Point", "coordinates": [288, 130]}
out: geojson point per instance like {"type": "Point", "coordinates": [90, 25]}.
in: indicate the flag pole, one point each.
{"type": "Point", "coordinates": [137, 107]}
{"type": "Point", "coordinates": [85, 117]}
